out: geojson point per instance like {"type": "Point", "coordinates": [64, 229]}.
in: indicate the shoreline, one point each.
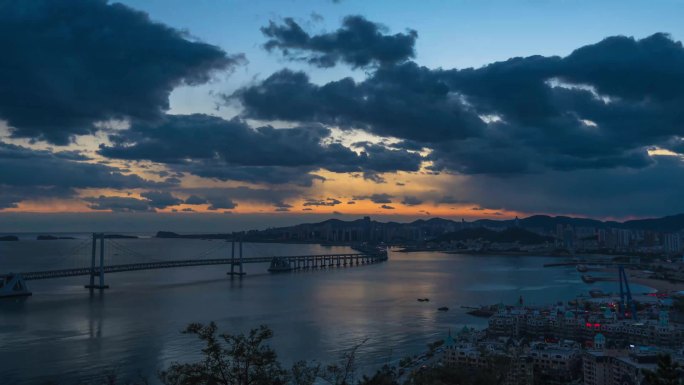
{"type": "Point", "coordinates": [661, 286]}
{"type": "Point", "coordinates": [641, 278]}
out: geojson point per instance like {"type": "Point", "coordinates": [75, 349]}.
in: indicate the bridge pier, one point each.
{"type": "Point", "coordinates": [99, 272]}
{"type": "Point", "coordinates": [234, 263]}
{"type": "Point", "coordinates": [13, 285]}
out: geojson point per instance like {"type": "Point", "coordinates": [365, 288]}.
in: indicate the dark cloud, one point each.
{"type": "Point", "coordinates": [448, 199]}
{"type": "Point", "coordinates": [411, 201]}
{"type": "Point", "coordinates": [404, 101]}
{"type": "Point", "coordinates": [161, 199]}
{"type": "Point", "coordinates": [650, 191]}
{"type": "Point", "coordinates": [376, 198]}
{"type": "Point", "coordinates": [118, 204]}
{"type": "Point", "coordinates": [374, 177]}
{"type": "Point", "coordinates": [359, 43]}
{"type": "Point", "coordinates": [519, 116]}
{"type": "Point", "coordinates": [219, 170]}
{"type": "Point", "coordinates": [271, 196]}
{"type": "Point", "coordinates": [219, 202]}
{"type": "Point", "coordinates": [212, 147]}
{"type": "Point", "coordinates": [68, 64]}
{"type": "Point", "coordinates": [11, 196]}
{"type": "Point", "coordinates": [22, 166]}
{"type": "Point", "coordinates": [195, 200]}
{"type": "Point", "coordinates": [326, 202]}
{"type": "Point", "coordinates": [282, 206]}
{"type": "Point", "coordinates": [387, 207]}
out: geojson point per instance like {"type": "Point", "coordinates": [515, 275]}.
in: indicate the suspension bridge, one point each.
{"type": "Point", "coordinates": [14, 284]}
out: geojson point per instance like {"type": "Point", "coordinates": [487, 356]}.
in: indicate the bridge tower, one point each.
{"type": "Point", "coordinates": [13, 285]}
{"type": "Point", "coordinates": [100, 271]}
{"type": "Point", "coordinates": [233, 261]}
{"type": "Point", "coordinates": [626, 304]}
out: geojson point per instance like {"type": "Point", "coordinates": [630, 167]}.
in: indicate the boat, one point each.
{"type": "Point", "coordinates": [443, 308]}
{"type": "Point", "coordinates": [582, 268]}
{"type": "Point", "coordinates": [598, 294]}
{"type": "Point", "coordinates": [279, 265]}
{"type": "Point", "coordinates": [423, 299]}
{"type": "Point", "coordinates": [586, 278]}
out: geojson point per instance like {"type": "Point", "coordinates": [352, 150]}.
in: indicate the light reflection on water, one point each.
{"type": "Point", "coordinates": [64, 331]}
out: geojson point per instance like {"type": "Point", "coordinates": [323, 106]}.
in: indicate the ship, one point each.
{"type": "Point", "coordinates": [586, 278]}
{"type": "Point", "coordinates": [598, 294]}
{"type": "Point", "coordinates": [279, 265]}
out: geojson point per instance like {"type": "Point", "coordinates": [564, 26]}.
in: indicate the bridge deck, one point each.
{"type": "Point", "coordinates": [34, 275]}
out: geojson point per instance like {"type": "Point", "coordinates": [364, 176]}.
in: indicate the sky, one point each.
{"type": "Point", "coordinates": [195, 116]}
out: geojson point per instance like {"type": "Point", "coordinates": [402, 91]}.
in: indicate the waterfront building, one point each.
{"type": "Point", "coordinates": [567, 325]}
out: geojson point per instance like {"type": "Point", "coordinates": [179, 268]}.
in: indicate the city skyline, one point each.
{"type": "Point", "coordinates": [218, 114]}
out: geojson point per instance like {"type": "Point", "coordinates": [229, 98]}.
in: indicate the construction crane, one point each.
{"type": "Point", "coordinates": [626, 301]}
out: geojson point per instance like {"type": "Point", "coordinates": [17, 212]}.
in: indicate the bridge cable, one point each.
{"type": "Point", "coordinates": [209, 251]}
{"type": "Point", "coordinates": [71, 255]}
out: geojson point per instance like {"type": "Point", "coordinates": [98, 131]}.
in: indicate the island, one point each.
{"type": "Point", "coordinates": [51, 238]}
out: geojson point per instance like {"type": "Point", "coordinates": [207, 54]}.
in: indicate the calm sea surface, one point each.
{"type": "Point", "coordinates": [64, 332]}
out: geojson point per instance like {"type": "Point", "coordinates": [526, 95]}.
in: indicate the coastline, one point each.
{"type": "Point", "coordinates": [642, 278]}
{"type": "Point", "coordinates": [662, 286]}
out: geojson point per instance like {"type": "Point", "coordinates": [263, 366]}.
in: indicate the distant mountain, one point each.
{"type": "Point", "coordinates": [667, 224]}
{"type": "Point", "coordinates": [170, 234]}
{"type": "Point", "coordinates": [530, 230]}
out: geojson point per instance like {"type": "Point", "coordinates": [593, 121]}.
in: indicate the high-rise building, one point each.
{"type": "Point", "coordinates": [672, 243]}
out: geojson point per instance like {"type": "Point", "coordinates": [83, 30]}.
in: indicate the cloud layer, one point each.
{"type": "Point", "coordinates": [603, 106]}
{"type": "Point", "coordinates": [69, 64]}
{"type": "Point", "coordinates": [537, 133]}
{"type": "Point", "coordinates": [359, 43]}
{"type": "Point", "coordinates": [213, 147]}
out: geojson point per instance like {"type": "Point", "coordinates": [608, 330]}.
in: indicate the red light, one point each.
{"type": "Point", "coordinates": [597, 325]}
{"type": "Point", "coordinates": [588, 324]}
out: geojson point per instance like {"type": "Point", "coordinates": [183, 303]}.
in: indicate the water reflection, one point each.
{"type": "Point", "coordinates": [135, 325]}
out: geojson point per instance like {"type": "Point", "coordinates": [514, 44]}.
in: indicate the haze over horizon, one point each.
{"type": "Point", "coordinates": [193, 116]}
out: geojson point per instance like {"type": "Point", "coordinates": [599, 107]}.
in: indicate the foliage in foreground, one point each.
{"type": "Point", "coordinates": [667, 373]}
{"type": "Point", "coordinates": [248, 360]}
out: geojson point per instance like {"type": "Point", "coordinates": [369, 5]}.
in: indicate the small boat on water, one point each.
{"type": "Point", "coordinates": [586, 278]}
{"type": "Point", "coordinates": [598, 294]}
{"type": "Point", "coordinates": [443, 308]}
{"type": "Point", "coordinates": [279, 265]}
{"type": "Point", "coordinates": [423, 299]}
{"type": "Point", "coordinates": [582, 268]}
